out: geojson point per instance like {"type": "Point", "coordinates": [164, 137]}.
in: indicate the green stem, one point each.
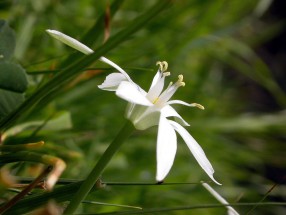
{"type": "Point", "coordinates": [24, 192]}
{"type": "Point", "coordinates": [87, 185]}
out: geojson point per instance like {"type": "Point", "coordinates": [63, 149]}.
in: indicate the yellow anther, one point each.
{"type": "Point", "coordinates": [163, 66]}
{"type": "Point", "coordinates": [160, 65]}
{"type": "Point", "coordinates": [180, 82]}
{"type": "Point", "coordinates": [198, 106]}
{"type": "Point", "coordinates": [166, 74]}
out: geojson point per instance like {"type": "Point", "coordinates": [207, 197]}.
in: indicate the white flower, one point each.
{"type": "Point", "coordinates": [230, 210]}
{"type": "Point", "coordinates": [150, 108]}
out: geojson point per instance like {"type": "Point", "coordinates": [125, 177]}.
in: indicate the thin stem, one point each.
{"type": "Point", "coordinates": [24, 192]}
{"type": "Point", "coordinates": [185, 208]}
{"type": "Point", "coordinates": [87, 185]}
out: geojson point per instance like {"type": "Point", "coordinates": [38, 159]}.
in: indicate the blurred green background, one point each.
{"type": "Point", "coordinates": [232, 55]}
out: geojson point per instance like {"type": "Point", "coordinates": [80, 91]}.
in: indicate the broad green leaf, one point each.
{"type": "Point", "coordinates": [7, 41]}
{"type": "Point", "coordinates": [13, 81]}
{"type": "Point", "coordinates": [12, 77]}
{"type": "Point", "coordinates": [9, 101]}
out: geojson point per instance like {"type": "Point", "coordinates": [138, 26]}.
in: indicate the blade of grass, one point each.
{"type": "Point", "coordinates": [93, 34]}
{"type": "Point", "coordinates": [64, 193]}
{"type": "Point", "coordinates": [88, 183]}
{"type": "Point", "coordinates": [184, 208]}
{"type": "Point", "coordinates": [263, 198]}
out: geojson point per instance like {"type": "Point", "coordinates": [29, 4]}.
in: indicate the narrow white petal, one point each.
{"type": "Point", "coordinates": [196, 150]}
{"type": "Point", "coordinates": [168, 111]}
{"type": "Point", "coordinates": [156, 87]}
{"type": "Point", "coordinates": [70, 41]}
{"type": "Point", "coordinates": [179, 102]}
{"type": "Point", "coordinates": [230, 209]}
{"type": "Point", "coordinates": [115, 66]}
{"type": "Point", "coordinates": [155, 79]}
{"type": "Point", "coordinates": [112, 81]}
{"type": "Point", "coordinates": [166, 148]}
{"type": "Point", "coordinates": [131, 93]}
{"type": "Point", "coordinates": [185, 103]}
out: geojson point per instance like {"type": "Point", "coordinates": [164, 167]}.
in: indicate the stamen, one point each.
{"type": "Point", "coordinates": [163, 66]}
{"type": "Point", "coordinates": [166, 74]}
{"type": "Point", "coordinates": [198, 106]}
{"type": "Point", "coordinates": [180, 82]}
{"type": "Point", "coordinates": [170, 84]}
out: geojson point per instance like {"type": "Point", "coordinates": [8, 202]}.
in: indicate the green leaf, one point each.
{"type": "Point", "coordinates": [12, 77]}
{"type": "Point", "coordinates": [9, 101]}
{"type": "Point", "coordinates": [7, 41]}
{"type": "Point", "coordinates": [13, 81]}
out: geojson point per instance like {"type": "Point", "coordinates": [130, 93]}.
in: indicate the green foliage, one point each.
{"type": "Point", "coordinates": [7, 41]}
{"type": "Point", "coordinates": [13, 81]}
{"type": "Point", "coordinates": [219, 47]}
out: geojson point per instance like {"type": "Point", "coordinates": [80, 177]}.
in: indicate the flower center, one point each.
{"type": "Point", "coordinates": [169, 92]}
{"type": "Point", "coordinates": [158, 81]}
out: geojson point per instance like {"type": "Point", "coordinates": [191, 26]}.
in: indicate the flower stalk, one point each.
{"type": "Point", "coordinates": [94, 175]}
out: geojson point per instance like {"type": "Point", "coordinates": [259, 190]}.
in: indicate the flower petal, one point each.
{"type": "Point", "coordinates": [155, 79]}
{"type": "Point", "coordinates": [132, 93]}
{"type": "Point", "coordinates": [156, 86]}
{"type": "Point", "coordinates": [168, 111]}
{"type": "Point", "coordinates": [112, 82]}
{"type": "Point", "coordinates": [230, 209]}
{"type": "Point", "coordinates": [196, 149]}
{"type": "Point", "coordinates": [115, 66]}
{"type": "Point", "coordinates": [185, 103]}
{"type": "Point", "coordinates": [178, 102]}
{"type": "Point", "coordinates": [70, 41]}
{"type": "Point", "coordinates": [147, 118]}
{"type": "Point", "coordinates": [166, 148]}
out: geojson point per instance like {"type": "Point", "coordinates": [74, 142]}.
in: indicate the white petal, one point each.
{"type": "Point", "coordinates": [166, 148]}
{"type": "Point", "coordinates": [112, 81]}
{"type": "Point", "coordinates": [157, 87]}
{"type": "Point", "coordinates": [179, 102]}
{"type": "Point", "coordinates": [70, 41]}
{"type": "Point", "coordinates": [168, 111]}
{"type": "Point", "coordinates": [146, 119]}
{"type": "Point", "coordinates": [155, 79]}
{"type": "Point", "coordinates": [185, 103]}
{"type": "Point", "coordinates": [132, 94]}
{"type": "Point", "coordinates": [196, 150]}
{"type": "Point", "coordinates": [230, 209]}
{"type": "Point", "coordinates": [115, 66]}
